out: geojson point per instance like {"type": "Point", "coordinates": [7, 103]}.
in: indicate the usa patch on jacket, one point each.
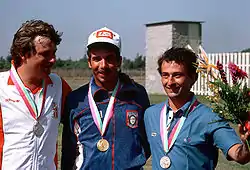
{"type": "Point", "coordinates": [132, 118]}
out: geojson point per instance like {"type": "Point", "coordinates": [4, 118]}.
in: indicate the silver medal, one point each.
{"type": "Point", "coordinates": [165, 162]}
{"type": "Point", "coordinates": [38, 129]}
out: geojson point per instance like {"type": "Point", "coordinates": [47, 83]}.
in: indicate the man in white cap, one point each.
{"type": "Point", "coordinates": [105, 128]}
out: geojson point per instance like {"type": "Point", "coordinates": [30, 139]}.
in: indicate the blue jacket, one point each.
{"type": "Point", "coordinates": [129, 148]}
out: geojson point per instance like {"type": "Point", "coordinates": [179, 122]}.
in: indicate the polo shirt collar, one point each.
{"type": "Point", "coordinates": [180, 112]}
{"type": "Point", "coordinates": [10, 81]}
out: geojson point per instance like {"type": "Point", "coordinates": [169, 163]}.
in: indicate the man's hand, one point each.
{"type": "Point", "coordinates": [244, 133]}
{"type": "Point", "coordinates": [240, 152]}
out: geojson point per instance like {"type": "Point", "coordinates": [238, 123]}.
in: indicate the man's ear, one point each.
{"type": "Point", "coordinates": [23, 57]}
{"type": "Point", "coordinates": [89, 62]}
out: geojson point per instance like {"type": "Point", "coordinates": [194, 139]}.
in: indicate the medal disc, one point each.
{"type": "Point", "coordinates": [102, 145]}
{"type": "Point", "coordinates": [165, 162]}
{"type": "Point", "coordinates": [38, 129]}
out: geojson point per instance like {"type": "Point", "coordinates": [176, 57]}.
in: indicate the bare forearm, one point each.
{"type": "Point", "coordinates": [240, 153]}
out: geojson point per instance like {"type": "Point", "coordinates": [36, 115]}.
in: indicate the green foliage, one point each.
{"type": "Point", "coordinates": [127, 64]}
{"type": "Point", "coordinates": [246, 50]}
{"type": "Point", "coordinates": [4, 63]}
{"type": "Point", "coordinates": [82, 63]}
{"type": "Point", "coordinates": [233, 104]}
{"type": "Point", "coordinates": [138, 63]}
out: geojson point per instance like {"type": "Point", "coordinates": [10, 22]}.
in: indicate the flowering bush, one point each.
{"type": "Point", "coordinates": [231, 102]}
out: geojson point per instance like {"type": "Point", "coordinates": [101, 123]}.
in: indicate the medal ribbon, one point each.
{"type": "Point", "coordinates": [109, 111]}
{"type": "Point", "coordinates": [165, 127]}
{"type": "Point", "coordinates": [29, 102]}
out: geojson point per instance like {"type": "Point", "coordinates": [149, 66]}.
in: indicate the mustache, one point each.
{"type": "Point", "coordinates": [104, 70]}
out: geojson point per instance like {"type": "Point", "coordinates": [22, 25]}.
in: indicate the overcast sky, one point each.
{"type": "Point", "coordinates": [226, 27]}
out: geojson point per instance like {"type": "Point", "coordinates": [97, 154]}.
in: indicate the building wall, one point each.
{"type": "Point", "coordinates": [161, 37]}
{"type": "Point", "coordinates": [180, 34]}
{"type": "Point", "coordinates": [195, 36]}
{"type": "Point", "coordinates": [158, 40]}
{"type": "Point", "coordinates": [187, 33]}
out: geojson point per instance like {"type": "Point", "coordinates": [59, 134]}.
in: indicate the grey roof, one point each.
{"type": "Point", "coordinates": [172, 22]}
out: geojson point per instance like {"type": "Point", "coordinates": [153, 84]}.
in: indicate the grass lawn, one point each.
{"type": "Point", "coordinates": [223, 164]}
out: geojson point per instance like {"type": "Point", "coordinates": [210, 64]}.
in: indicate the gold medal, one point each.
{"type": "Point", "coordinates": [165, 162]}
{"type": "Point", "coordinates": [38, 129]}
{"type": "Point", "coordinates": [102, 145]}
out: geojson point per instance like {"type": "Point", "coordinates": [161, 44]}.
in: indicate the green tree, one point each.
{"type": "Point", "coordinates": [246, 50]}
{"type": "Point", "coordinates": [4, 63]}
{"type": "Point", "coordinates": [59, 63]}
{"type": "Point", "coordinates": [83, 62]}
{"type": "Point", "coordinates": [127, 63]}
{"type": "Point", "coordinates": [139, 62]}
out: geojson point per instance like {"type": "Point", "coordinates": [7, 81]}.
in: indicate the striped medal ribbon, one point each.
{"type": "Point", "coordinates": [165, 161]}
{"type": "Point", "coordinates": [34, 109]}
{"type": "Point", "coordinates": [102, 144]}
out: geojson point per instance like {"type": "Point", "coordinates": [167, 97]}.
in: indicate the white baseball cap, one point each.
{"type": "Point", "coordinates": [105, 35]}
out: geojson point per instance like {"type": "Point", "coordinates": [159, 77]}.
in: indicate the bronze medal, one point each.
{"type": "Point", "coordinates": [102, 145]}
{"type": "Point", "coordinates": [165, 162]}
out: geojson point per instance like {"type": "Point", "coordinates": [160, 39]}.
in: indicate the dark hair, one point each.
{"type": "Point", "coordinates": [180, 55]}
{"type": "Point", "coordinates": [23, 41]}
{"type": "Point", "coordinates": [102, 45]}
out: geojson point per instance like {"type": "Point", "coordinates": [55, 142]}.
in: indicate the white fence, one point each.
{"type": "Point", "coordinates": [240, 59]}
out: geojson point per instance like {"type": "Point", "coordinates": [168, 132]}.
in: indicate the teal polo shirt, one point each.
{"type": "Point", "coordinates": [196, 145]}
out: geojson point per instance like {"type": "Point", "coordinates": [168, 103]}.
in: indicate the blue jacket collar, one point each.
{"type": "Point", "coordinates": [99, 92]}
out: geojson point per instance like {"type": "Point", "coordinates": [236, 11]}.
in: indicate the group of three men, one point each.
{"type": "Point", "coordinates": [108, 123]}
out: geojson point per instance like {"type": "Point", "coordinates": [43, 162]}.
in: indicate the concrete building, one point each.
{"type": "Point", "coordinates": [161, 36]}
